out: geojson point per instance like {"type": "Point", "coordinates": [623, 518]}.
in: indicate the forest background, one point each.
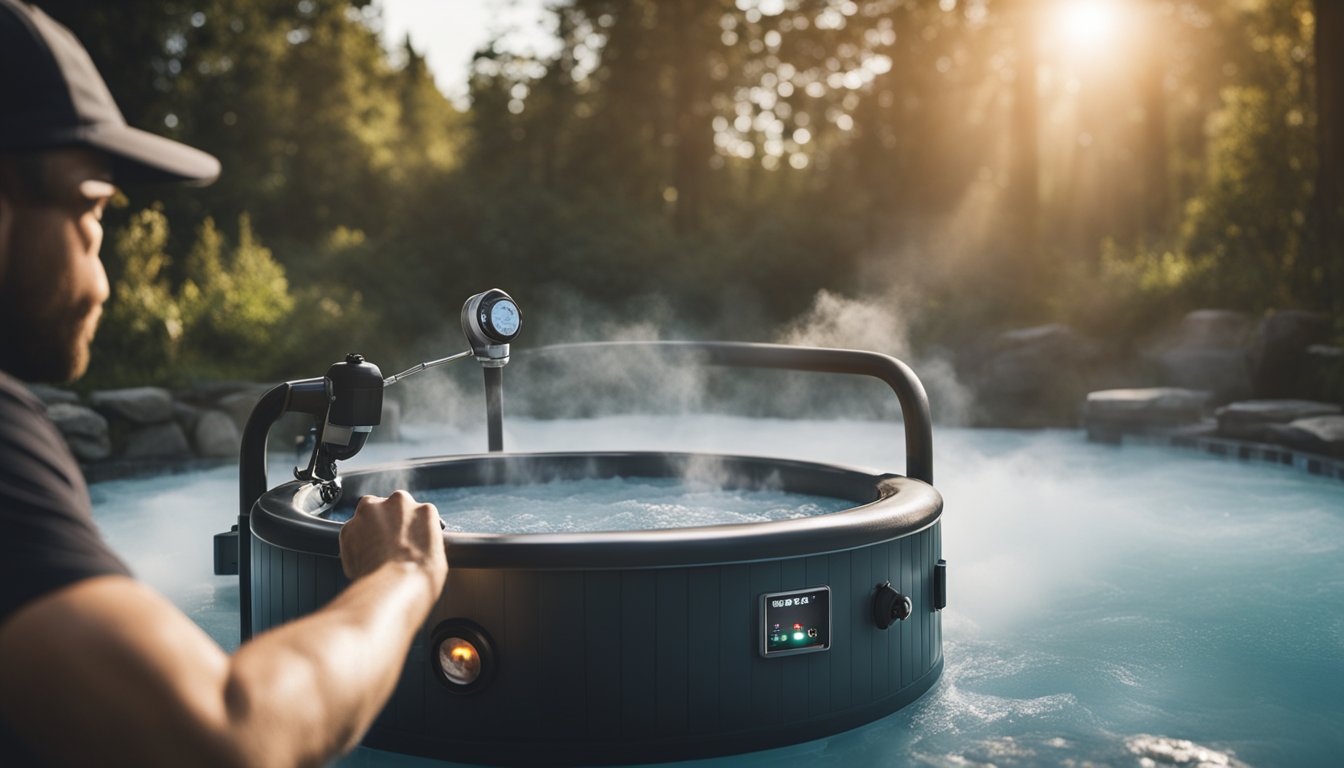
{"type": "Point", "coordinates": [709, 166]}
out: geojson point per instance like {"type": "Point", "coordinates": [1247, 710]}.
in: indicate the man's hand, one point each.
{"type": "Point", "coordinates": [395, 529]}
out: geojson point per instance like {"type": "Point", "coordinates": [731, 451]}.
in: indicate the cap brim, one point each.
{"type": "Point", "coordinates": [140, 156]}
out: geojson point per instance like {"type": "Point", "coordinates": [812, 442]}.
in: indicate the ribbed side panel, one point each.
{"type": "Point", "coordinates": [288, 584]}
{"type": "Point", "coordinates": [662, 657]}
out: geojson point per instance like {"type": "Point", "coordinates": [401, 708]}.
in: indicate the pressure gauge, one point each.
{"type": "Point", "coordinates": [491, 320]}
{"type": "Point", "coordinates": [503, 320]}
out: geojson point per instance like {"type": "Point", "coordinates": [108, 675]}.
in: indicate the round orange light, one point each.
{"type": "Point", "coordinates": [460, 661]}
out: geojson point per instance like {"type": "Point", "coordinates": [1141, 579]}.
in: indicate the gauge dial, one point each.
{"type": "Point", "coordinates": [504, 318]}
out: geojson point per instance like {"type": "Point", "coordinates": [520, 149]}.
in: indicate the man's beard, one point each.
{"type": "Point", "coordinates": [51, 349]}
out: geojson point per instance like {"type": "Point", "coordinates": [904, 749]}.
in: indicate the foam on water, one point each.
{"type": "Point", "coordinates": [611, 504]}
{"type": "Point", "coordinates": [1130, 607]}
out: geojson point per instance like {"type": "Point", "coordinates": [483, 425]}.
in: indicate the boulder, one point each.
{"type": "Point", "coordinates": [1325, 372]}
{"type": "Point", "coordinates": [1206, 351]}
{"type": "Point", "coordinates": [1318, 434]}
{"type": "Point", "coordinates": [52, 395]}
{"type": "Point", "coordinates": [239, 405]}
{"type": "Point", "coordinates": [84, 430]}
{"type": "Point", "coordinates": [215, 435]}
{"type": "Point", "coordinates": [1113, 412]}
{"type": "Point", "coordinates": [137, 405]}
{"type": "Point", "coordinates": [1212, 328]}
{"type": "Point", "coordinates": [1247, 420]}
{"type": "Point", "coordinates": [1034, 377]}
{"type": "Point", "coordinates": [157, 441]}
{"type": "Point", "coordinates": [1278, 352]}
{"type": "Point", "coordinates": [186, 415]}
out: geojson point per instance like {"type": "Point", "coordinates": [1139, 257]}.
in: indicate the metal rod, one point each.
{"type": "Point", "coordinates": [390, 380]}
{"type": "Point", "coordinates": [494, 408]}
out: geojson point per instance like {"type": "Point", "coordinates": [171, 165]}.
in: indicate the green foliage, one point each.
{"type": "Point", "coordinates": [221, 321]}
{"type": "Point", "coordinates": [714, 154]}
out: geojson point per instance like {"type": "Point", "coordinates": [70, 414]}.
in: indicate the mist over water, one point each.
{"type": "Point", "coordinates": [1106, 606]}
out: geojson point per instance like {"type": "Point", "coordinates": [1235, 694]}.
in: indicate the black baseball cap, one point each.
{"type": "Point", "coordinates": [52, 96]}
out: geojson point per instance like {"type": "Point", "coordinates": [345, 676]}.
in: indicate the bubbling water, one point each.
{"type": "Point", "coordinates": [610, 504]}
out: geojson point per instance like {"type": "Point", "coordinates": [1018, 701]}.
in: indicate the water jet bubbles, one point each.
{"type": "Point", "coordinates": [772, 7]}
{"type": "Point", "coordinates": [198, 19]}
{"type": "Point", "coordinates": [728, 37]}
{"type": "Point", "coordinates": [785, 89]}
{"type": "Point", "coordinates": [854, 79]}
{"type": "Point", "coordinates": [742, 123]}
{"type": "Point", "coordinates": [769, 162]}
{"type": "Point", "coordinates": [835, 81]}
{"type": "Point", "coordinates": [773, 147]}
{"type": "Point", "coordinates": [816, 89]}
{"type": "Point", "coordinates": [944, 64]}
{"type": "Point", "coordinates": [798, 160]}
{"type": "Point", "coordinates": [802, 136]}
{"type": "Point", "coordinates": [720, 124]}
{"type": "Point", "coordinates": [728, 21]}
{"type": "Point", "coordinates": [516, 106]}
{"type": "Point", "coordinates": [773, 39]}
{"type": "Point", "coordinates": [170, 120]}
{"type": "Point", "coordinates": [519, 91]}
{"type": "Point", "coordinates": [878, 65]}
{"type": "Point", "coordinates": [844, 122]}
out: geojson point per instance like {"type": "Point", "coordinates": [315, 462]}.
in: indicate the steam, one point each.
{"type": "Point", "coordinates": [879, 325]}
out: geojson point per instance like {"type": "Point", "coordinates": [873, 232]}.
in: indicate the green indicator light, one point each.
{"type": "Point", "coordinates": [797, 635]}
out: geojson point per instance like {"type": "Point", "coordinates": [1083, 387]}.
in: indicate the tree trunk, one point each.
{"type": "Point", "coordinates": [1329, 202]}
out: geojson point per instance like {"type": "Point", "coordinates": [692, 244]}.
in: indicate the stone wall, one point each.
{"type": "Point", "coordinates": [156, 425]}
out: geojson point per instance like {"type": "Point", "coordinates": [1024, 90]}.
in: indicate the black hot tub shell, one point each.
{"type": "Point", "coordinates": [640, 646]}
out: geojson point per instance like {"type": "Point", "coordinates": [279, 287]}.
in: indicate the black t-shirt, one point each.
{"type": "Point", "coordinates": [47, 536]}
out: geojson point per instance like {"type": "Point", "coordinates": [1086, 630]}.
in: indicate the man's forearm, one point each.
{"type": "Point", "coordinates": [311, 688]}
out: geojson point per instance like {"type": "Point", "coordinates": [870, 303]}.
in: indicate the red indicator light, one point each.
{"type": "Point", "coordinates": [797, 626]}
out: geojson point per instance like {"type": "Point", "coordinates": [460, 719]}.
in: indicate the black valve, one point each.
{"type": "Point", "coordinates": [890, 606]}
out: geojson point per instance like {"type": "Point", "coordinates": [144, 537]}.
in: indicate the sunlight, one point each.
{"type": "Point", "coordinates": [1087, 25]}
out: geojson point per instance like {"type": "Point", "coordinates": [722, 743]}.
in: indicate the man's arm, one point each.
{"type": "Point", "coordinates": [105, 671]}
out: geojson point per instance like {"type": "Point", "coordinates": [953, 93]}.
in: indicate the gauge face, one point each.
{"type": "Point", "coordinates": [504, 318]}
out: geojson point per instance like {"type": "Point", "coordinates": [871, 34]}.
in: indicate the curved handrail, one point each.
{"type": "Point", "coordinates": [896, 374]}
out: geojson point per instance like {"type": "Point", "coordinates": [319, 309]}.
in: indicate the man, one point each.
{"type": "Point", "coordinates": [95, 668]}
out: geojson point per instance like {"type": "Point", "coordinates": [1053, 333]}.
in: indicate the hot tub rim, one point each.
{"type": "Point", "coordinates": [284, 517]}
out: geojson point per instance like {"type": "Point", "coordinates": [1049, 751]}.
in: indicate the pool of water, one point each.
{"type": "Point", "coordinates": [610, 504]}
{"type": "Point", "coordinates": [1107, 606]}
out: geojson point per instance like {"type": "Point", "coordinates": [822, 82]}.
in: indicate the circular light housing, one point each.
{"type": "Point", "coordinates": [461, 655]}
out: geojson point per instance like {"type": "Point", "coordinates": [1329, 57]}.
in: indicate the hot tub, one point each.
{"type": "Point", "coordinates": [645, 645]}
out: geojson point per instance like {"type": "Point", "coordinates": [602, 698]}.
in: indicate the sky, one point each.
{"type": "Point", "coordinates": [448, 32]}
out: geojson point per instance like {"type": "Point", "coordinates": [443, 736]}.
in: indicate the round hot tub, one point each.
{"type": "Point", "coordinates": [639, 645]}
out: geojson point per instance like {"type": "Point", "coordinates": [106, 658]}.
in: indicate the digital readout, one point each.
{"type": "Point", "coordinates": [796, 622]}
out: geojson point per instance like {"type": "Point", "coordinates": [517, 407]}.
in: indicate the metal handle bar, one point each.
{"type": "Point", "coordinates": [896, 374]}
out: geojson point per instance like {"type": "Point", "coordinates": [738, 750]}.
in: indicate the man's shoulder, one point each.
{"type": "Point", "coordinates": [14, 393]}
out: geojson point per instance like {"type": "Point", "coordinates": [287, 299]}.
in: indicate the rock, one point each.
{"type": "Point", "coordinates": [1278, 352]}
{"type": "Point", "coordinates": [215, 435]}
{"type": "Point", "coordinates": [1112, 412]}
{"type": "Point", "coordinates": [239, 405]}
{"type": "Point", "coordinates": [389, 427]}
{"type": "Point", "coordinates": [1207, 352]}
{"type": "Point", "coordinates": [1213, 328]}
{"type": "Point", "coordinates": [1247, 420]}
{"type": "Point", "coordinates": [186, 415]}
{"type": "Point", "coordinates": [1034, 377]}
{"type": "Point", "coordinates": [1318, 434]}
{"type": "Point", "coordinates": [52, 395]}
{"type": "Point", "coordinates": [137, 405]}
{"type": "Point", "coordinates": [157, 441]}
{"type": "Point", "coordinates": [1325, 372]}
{"type": "Point", "coordinates": [84, 430]}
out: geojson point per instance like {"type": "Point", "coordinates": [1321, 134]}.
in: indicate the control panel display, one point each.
{"type": "Point", "coordinates": [796, 622]}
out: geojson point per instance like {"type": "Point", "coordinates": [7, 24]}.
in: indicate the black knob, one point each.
{"type": "Point", "coordinates": [354, 358]}
{"type": "Point", "coordinates": [890, 606]}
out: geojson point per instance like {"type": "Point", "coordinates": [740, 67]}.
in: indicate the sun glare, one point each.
{"type": "Point", "coordinates": [1087, 24]}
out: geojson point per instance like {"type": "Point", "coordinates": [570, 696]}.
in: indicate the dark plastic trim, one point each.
{"type": "Point", "coordinates": [888, 507]}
